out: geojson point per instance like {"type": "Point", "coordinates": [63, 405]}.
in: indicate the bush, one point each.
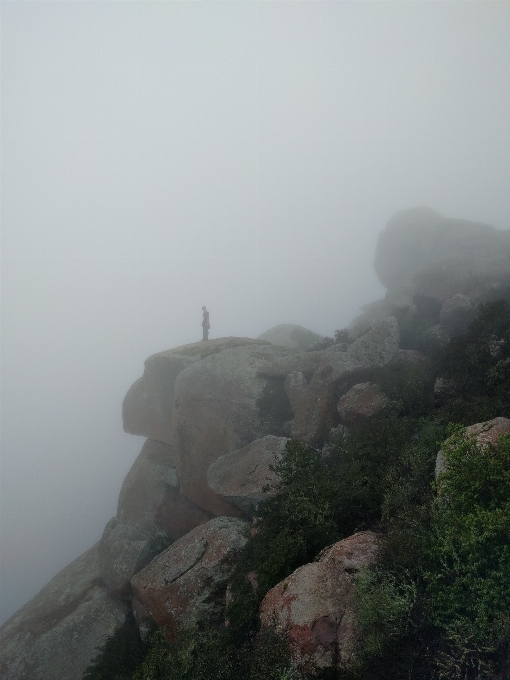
{"type": "Point", "coordinates": [213, 654]}
{"type": "Point", "coordinates": [119, 655]}
{"type": "Point", "coordinates": [476, 362]}
{"type": "Point", "coordinates": [384, 605]}
{"type": "Point", "coordinates": [469, 585]}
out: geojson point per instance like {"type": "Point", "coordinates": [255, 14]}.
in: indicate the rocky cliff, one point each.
{"type": "Point", "coordinates": [217, 415]}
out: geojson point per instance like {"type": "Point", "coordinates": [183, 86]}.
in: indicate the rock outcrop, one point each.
{"type": "Point", "coordinates": [314, 403]}
{"type": "Point", "coordinates": [241, 476]}
{"type": "Point", "coordinates": [152, 477]}
{"type": "Point", "coordinates": [289, 335]}
{"type": "Point", "coordinates": [223, 403]}
{"type": "Point", "coordinates": [150, 496]}
{"type": "Point", "coordinates": [315, 605]}
{"type": "Point", "coordinates": [59, 631]}
{"type": "Point", "coordinates": [187, 582]}
{"type": "Point", "coordinates": [147, 406]}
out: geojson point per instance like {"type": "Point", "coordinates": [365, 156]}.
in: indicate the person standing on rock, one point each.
{"type": "Point", "coordinates": [205, 324]}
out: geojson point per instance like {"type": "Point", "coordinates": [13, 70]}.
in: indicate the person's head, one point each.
{"type": "Point", "coordinates": [204, 309]}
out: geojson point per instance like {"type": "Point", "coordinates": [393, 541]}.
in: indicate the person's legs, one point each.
{"type": "Point", "coordinates": [206, 334]}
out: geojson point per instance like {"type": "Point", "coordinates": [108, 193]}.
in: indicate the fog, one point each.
{"type": "Point", "coordinates": [161, 156]}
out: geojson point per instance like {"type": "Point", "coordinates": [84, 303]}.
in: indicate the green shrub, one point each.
{"type": "Point", "coordinates": [119, 655]}
{"type": "Point", "coordinates": [213, 654]}
{"type": "Point", "coordinates": [476, 361]}
{"type": "Point", "coordinates": [384, 605]}
{"type": "Point", "coordinates": [410, 386]}
{"type": "Point", "coordinates": [469, 586]}
{"type": "Point", "coordinates": [321, 499]}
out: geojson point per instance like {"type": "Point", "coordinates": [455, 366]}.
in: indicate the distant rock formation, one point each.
{"type": "Point", "coordinates": [438, 256]}
{"type": "Point", "coordinates": [291, 336]}
{"type": "Point", "coordinates": [436, 269]}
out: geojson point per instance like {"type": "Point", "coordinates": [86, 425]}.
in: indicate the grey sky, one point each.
{"type": "Point", "coordinates": [159, 156]}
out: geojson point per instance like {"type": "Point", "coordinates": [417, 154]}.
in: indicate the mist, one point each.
{"type": "Point", "coordinates": [243, 155]}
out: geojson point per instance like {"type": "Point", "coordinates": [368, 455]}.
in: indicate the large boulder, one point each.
{"type": "Point", "coordinates": [209, 399]}
{"type": "Point", "coordinates": [148, 404]}
{"type": "Point", "coordinates": [426, 253]}
{"type": "Point", "coordinates": [151, 477]}
{"type": "Point", "coordinates": [58, 633]}
{"type": "Point", "coordinates": [315, 605]}
{"type": "Point", "coordinates": [314, 403]}
{"type": "Point", "coordinates": [361, 402]}
{"type": "Point", "coordinates": [289, 335]}
{"type": "Point", "coordinates": [241, 476]}
{"type": "Point", "coordinates": [150, 497]}
{"type": "Point", "coordinates": [187, 582]}
{"type": "Point", "coordinates": [223, 403]}
{"type": "Point", "coordinates": [487, 432]}
{"type": "Point", "coordinates": [151, 513]}
{"type": "Point", "coordinates": [123, 550]}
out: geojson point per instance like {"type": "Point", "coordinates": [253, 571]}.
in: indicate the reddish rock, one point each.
{"type": "Point", "coordinates": [187, 582]}
{"type": "Point", "coordinates": [315, 606]}
{"type": "Point", "coordinates": [239, 477]}
{"type": "Point", "coordinates": [361, 402]}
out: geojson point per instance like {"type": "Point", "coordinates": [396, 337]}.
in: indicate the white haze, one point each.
{"type": "Point", "coordinates": [159, 156]}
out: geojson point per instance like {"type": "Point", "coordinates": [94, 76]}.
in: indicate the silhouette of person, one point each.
{"type": "Point", "coordinates": [205, 324]}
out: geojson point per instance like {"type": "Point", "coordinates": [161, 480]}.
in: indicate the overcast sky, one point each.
{"type": "Point", "coordinates": [159, 156]}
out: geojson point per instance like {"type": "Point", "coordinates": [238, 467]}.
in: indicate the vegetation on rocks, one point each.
{"type": "Point", "coordinates": [436, 605]}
